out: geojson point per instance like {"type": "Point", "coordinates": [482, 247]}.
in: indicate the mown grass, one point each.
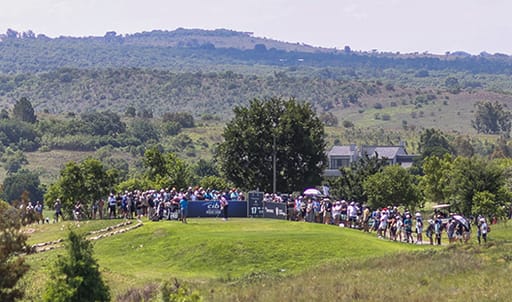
{"type": "Point", "coordinates": [39, 233]}
{"type": "Point", "coordinates": [209, 249]}
{"type": "Point", "coordinates": [271, 260]}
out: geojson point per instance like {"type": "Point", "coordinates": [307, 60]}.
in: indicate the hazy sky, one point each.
{"type": "Point", "coordinates": [435, 26]}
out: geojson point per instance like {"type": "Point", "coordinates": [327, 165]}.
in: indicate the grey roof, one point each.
{"type": "Point", "coordinates": [342, 151]}
{"type": "Point", "coordinates": [389, 152]}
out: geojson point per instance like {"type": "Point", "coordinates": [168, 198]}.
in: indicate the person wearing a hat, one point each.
{"type": "Point", "coordinates": [430, 231]}
{"type": "Point", "coordinates": [58, 211]}
{"type": "Point", "coordinates": [482, 231]}
{"type": "Point", "coordinates": [327, 210]}
{"type": "Point", "coordinates": [112, 203]}
{"type": "Point", "coordinates": [383, 224]}
{"type": "Point", "coordinates": [438, 229]}
{"type": "Point", "coordinates": [336, 212]}
{"type": "Point", "coordinates": [419, 228]}
{"type": "Point", "coordinates": [352, 214]}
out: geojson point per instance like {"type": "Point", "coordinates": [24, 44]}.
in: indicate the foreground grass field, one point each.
{"type": "Point", "coordinates": [269, 260]}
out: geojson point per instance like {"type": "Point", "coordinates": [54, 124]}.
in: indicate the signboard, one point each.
{"type": "Point", "coordinates": [255, 206]}
{"type": "Point", "coordinates": [212, 209]}
{"type": "Point", "coordinates": [276, 210]}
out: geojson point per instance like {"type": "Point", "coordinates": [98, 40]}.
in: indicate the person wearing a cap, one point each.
{"type": "Point", "coordinates": [419, 228]}
{"type": "Point", "coordinates": [112, 204]}
{"type": "Point", "coordinates": [383, 224]}
{"type": "Point", "coordinates": [184, 208]}
{"type": "Point", "coordinates": [224, 206]}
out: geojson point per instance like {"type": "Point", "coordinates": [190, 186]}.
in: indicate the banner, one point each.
{"type": "Point", "coordinates": [276, 210]}
{"type": "Point", "coordinates": [212, 209]}
{"type": "Point", "coordinates": [255, 207]}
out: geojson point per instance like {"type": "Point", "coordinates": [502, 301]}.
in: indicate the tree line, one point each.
{"type": "Point", "coordinates": [28, 52]}
{"type": "Point", "coordinates": [280, 143]}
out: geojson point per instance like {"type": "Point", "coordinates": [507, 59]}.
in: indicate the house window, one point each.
{"type": "Point", "coordinates": [337, 163]}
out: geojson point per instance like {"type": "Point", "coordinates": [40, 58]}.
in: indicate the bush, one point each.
{"type": "Point", "coordinates": [348, 124]}
{"type": "Point", "coordinates": [76, 276]}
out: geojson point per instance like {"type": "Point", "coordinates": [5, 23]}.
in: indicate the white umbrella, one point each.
{"type": "Point", "coordinates": [462, 220]}
{"type": "Point", "coordinates": [441, 206]}
{"type": "Point", "coordinates": [312, 191]}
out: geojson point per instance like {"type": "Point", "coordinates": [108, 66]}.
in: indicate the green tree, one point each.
{"type": "Point", "coordinates": [102, 123]}
{"type": "Point", "coordinates": [166, 169]}
{"type": "Point", "coordinates": [472, 175]}
{"type": "Point", "coordinates": [12, 244]}
{"type": "Point", "coordinates": [184, 119]}
{"type": "Point", "coordinates": [329, 119]}
{"type": "Point", "coordinates": [462, 146]}
{"type": "Point", "coordinates": [286, 130]}
{"type": "Point", "coordinates": [349, 185]}
{"type": "Point", "coordinates": [15, 184]}
{"type": "Point", "coordinates": [214, 182]}
{"type": "Point", "coordinates": [86, 181]}
{"type": "Point", "coordinates": [452, 85]}
{"type": "Point", "coordinates": [434, 142]}
{"type": "Point", "coordinates": [392, 186]}
{"type": "Point", "coordinates": [143, 130]}
{"type": "Point", "coordinates": [76, 276]}
{"type": "Point", "coordinates": [19, 134]}
{"type": "Point", "coordinates": [501, 149]}
{"type": "Point", "coordinates": [130, 111]}
{"type": "Point", "coordinates": [205, 168]}
{"type": "Point", "coordinates": [171, 128]}
{"type": "Point", "coordinates": [487, 205]}
{"type": "Point", "coordinates": [24, 111]}
{"type": "Point", "coordinates": [437, 173]}
{"type": "Point", "coordinates": [13, 160]}
{"type": "Point", "coordinates": [491, 118]}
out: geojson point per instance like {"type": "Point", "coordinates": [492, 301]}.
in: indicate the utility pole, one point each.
{"type": "Point", "coordinates": [274, 157]}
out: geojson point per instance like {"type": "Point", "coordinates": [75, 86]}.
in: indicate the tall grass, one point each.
{"type": "Point", "coordinates": [458, 273]}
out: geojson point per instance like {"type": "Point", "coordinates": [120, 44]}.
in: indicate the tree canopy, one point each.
{"type": "Point", "coordinates": [287, 129]}
{"type": "Point", "coordinates": [12, 243]}
{"type": "Point", "coordinates": [349, 185]}
{"type": "Point", "coordinates": [24, 111]}
{"type": "Point", "coordinates": [393, 185]}
{"type": "Point", "coordinates": [87, 182]}
{"type": "Point", "coordinates": [491, 118]}
{"type": "Point", "coordinates": [15, 184]}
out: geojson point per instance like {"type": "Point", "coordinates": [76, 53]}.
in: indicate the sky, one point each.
{"type": "Point", "coordinates": [406, 26]}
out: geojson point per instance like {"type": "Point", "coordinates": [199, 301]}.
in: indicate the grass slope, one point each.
{"type": "Point", "coordinates": [272, 260]}
{"type": "Point", "coordinates": [210, 250]}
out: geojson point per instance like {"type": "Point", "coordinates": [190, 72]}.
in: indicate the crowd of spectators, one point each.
{"type": "Point", "coordinates": [387, 223]}
{"type": "Point", "coordinates": [156, 204]}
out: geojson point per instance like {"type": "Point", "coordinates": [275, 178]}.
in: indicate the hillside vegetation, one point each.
{"type": "Point", "coordinates": [363, 97]}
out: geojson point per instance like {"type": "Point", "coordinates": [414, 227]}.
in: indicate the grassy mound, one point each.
{"type": "Point", "coordinates": [272, 260]}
